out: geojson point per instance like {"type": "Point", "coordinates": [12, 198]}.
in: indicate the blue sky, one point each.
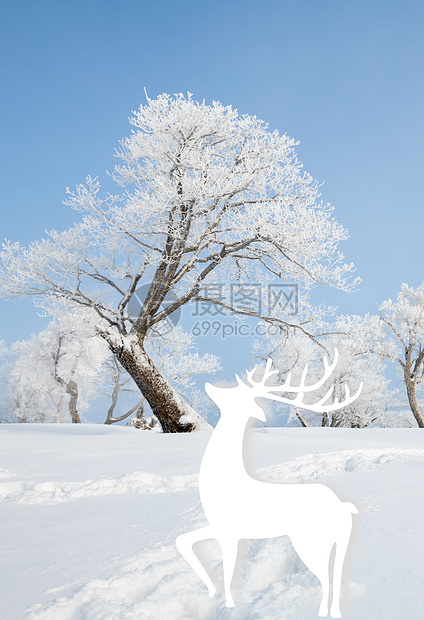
{"type": "Point", "coordinates": [344, 78]}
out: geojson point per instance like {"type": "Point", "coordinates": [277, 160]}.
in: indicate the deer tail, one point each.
{"type": "Point", "coordinates": [351, 508]}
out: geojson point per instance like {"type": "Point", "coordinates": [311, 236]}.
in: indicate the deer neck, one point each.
{"type": "Point", "coordinates": [223, 457]}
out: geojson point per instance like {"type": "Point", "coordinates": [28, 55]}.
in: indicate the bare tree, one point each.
{"type": "Point", "coordinates": [215, 197]}
{"type": "Point", "coordinates": [120, 381]}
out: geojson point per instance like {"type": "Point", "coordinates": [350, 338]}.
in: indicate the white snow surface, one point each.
{"type": "Point", "coordinates": [90, 513]}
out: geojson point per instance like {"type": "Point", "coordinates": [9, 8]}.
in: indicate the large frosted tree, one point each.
{"type": "Point", "coordinates": [208, 196]}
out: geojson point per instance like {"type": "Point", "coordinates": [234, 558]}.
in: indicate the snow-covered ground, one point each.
{"type": "Point", "coordinates": [89, 516]}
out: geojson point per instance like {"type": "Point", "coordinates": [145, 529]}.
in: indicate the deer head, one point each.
{"type": "Point", "coordinates": [238, 398]}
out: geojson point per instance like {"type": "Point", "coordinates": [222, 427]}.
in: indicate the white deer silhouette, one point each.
{"type": "Point", "coordinates": [238, 506]}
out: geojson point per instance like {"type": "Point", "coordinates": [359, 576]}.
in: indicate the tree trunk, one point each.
{"type": "Point", "coordinates": [410, 378]}
{"type": "Point", "coordinates": [173, 413]}
{"type": "Point", "coordinates": [300, 417]}
{"type": "Point", "coordinates": [412, 398]}
{"type": "Point", "coordinates": [72, 390]}
{"type": "Point", "coordinates": [325, 420]}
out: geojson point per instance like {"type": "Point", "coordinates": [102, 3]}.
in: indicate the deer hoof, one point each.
{"type": "Point", "coordinates": [212, 591]}
{"type": "Point", "coordinates": [230, 603]}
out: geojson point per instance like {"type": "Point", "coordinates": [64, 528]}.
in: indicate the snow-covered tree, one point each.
{"type": "Point", "coordinates": [404, 342]}
{"type": "Point", "coordinates": [53, 374]}
{"type": "Point", "coordinates": [4, 397]}
{"type": "Point", "coordinates": [348, 334]}
{"type": "Point", "coordinates": [208, 196]}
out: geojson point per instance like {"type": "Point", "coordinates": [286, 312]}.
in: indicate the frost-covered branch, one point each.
{"type": "Point", "coordinates": [208, 196]}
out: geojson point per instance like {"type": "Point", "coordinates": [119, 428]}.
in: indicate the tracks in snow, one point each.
{"type": "Point", "coordinates": [307, 468]}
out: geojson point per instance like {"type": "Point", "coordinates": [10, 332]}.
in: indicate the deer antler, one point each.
{"type": "Point", "coordinates": [319, 407]}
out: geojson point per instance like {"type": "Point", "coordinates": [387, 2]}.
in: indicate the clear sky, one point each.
{"type": "Point", "coordinates": [343, 77]}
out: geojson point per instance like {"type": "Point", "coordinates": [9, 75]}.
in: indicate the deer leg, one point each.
{"type": "Point", "coordinates": [184, 544]}
{"type": "Point", "coordinates": [341, 548]}
{"type": "Point", "coordinates": [229, 548]}
{"type": "Point", "coordinates": [325, 585]}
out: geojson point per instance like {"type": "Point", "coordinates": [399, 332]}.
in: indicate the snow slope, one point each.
{"type": "Point", "coordinates": [89, 515]}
